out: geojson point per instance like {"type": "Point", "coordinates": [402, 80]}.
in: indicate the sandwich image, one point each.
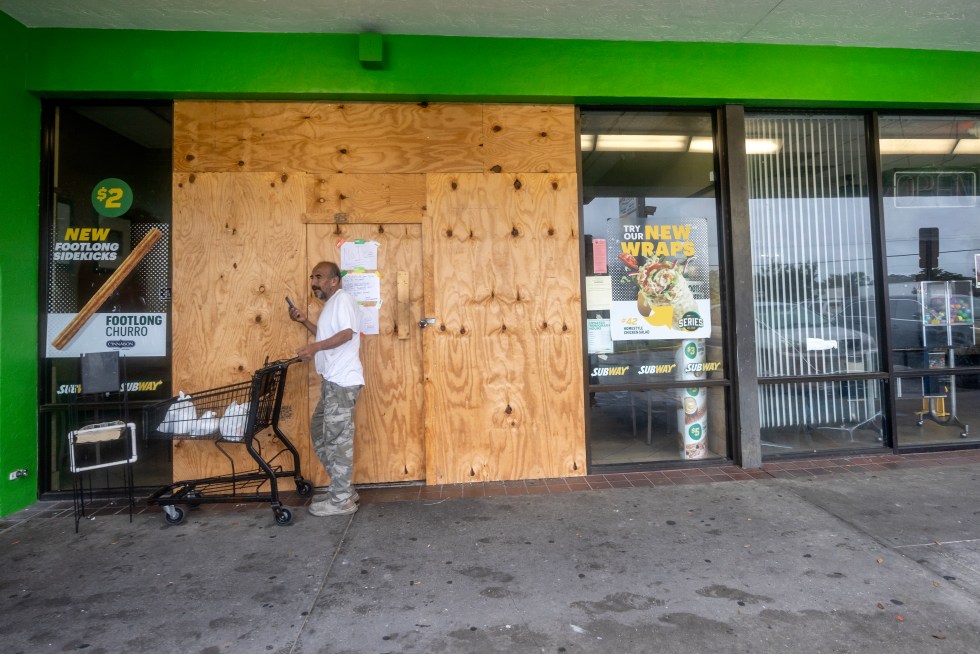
{"type": "Point", "coordinates": [662, 285]}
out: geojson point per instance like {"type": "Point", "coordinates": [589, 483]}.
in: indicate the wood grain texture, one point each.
{"type": "Point", "coordinates": [503, 371]}
{"type": "Point", "coordinates": [529, 138]}
{"type": "Point", "coordinates": [329, 137]}
{"type": "Point", "coordinates": [238, 249]}
{"type": "Point", "coordinates": [366, 198]}
{"type": "Point", "coordinates": [388, 441]}
{"type": "Point", "coordinates": [256, 191]}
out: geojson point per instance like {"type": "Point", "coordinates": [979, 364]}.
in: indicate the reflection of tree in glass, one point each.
{"type": "Point", "coordinates": [850, 283]}
{"type": "Point", "coordinates": [787, 282]}
{"type": "Point", "coordinates": [934, 274]}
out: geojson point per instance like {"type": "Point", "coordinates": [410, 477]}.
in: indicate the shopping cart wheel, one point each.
{"type": "Point", "coordinates": [283, 516]}
{"type": "Point", "coordinates": [194, 498]}
{"type": "Point", "coordinates": [304, 488]}
{"type": "Point", "coordinates": [174, 515]}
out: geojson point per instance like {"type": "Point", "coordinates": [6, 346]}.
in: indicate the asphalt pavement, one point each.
{"type": "Point", "coordinates": [863, 562]}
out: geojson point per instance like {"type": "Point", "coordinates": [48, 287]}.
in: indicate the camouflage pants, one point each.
{"type": "Point", "coordinates": [332, 431]}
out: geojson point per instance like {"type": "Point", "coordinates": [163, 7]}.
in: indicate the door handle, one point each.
{"type": "Point", "coordinates": [425, 322]}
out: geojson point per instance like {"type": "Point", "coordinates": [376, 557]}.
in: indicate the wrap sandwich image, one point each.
{"type": "Point", "coordinates": [662, 284]}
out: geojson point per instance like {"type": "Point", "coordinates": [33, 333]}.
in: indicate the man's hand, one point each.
{"type": "Point", "coordinates": [297, 315]}
{"type": "Point", "coordinates": [308, 351]}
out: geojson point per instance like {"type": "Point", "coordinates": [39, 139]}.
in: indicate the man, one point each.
{"type": "Point", "coordinates": [336, 354]}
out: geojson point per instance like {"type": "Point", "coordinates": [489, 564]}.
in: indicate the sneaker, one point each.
{"type": "Point", "coordinates": [329, 508]}
{"type": "Point", "coordinates": [324, 498]}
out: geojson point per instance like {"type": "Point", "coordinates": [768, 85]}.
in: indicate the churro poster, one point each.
{"type": "Point", "coordinates": [659, 275]}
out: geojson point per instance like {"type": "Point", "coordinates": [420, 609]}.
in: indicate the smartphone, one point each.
{"type": "Point", "coordinates": [290, 303]}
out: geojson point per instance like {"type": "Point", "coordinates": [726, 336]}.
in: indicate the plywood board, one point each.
{"type": "Point", "coordinates": [501, 271]}
{"type": "Point", "coordinates": [529, 138]}
{"type": "Point", "coordinates": [388, 441]}
{"type": "Point", "coordinates": [238, 248]}
{"type": "Point", "coordinates": [503, 364]}
{"type": "Point", "coordinates": [366, 198]}
{"type": "Point", "coordinates": [334, 138]}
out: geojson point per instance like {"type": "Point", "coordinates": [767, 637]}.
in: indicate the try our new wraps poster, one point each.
{"type": "Point", "coordinates": [659, 279]}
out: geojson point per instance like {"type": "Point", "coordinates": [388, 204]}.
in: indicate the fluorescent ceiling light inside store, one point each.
{"type": "Point", "coordinates": [916, 146]}
{"type": "Point", "coordinates": [752, 146]}
{"type": "Point", "coordinates": [967, 146]}
{"type": "Point", "coordinates": [641, 143]}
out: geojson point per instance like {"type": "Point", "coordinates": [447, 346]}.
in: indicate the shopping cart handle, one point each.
{"type": "Point", "coordinates": [281, 362]}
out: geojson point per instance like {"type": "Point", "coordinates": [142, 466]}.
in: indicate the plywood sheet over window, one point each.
{"type": "Point", "coordinates": [491, 192]}
{"type": "Point", "coordinates": [365, 198]}
{"type": "Point", "coordinates": [239, 247]}
{"type": "Point", "coordinates": [503, 372]}
{"type": "Point", "coordinates": [340, 138]}
{"type": "Point", "coordinates": [529, 138]}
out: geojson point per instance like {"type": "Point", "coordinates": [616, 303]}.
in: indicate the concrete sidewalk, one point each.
{"type": "Point", "coordinates": [885, 561]}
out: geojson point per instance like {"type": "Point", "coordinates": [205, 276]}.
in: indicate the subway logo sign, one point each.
{"type": "Point", "coordinates": [610, 371]}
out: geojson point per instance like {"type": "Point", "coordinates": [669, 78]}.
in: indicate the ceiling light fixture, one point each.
{"type": "Point", "coordinates": [916, 146]}
{"type": "Point", "coordinates": [967, 146]}
{"type": "Point", "coordinates": [641, 143]}
{"type": "Point", "coordinates": [752, 146]}
{"type": "Point", "coordinates": [702, 144]}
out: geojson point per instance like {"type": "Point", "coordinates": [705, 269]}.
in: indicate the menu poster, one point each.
{"type": "Point", "coordinates": [659, 276]}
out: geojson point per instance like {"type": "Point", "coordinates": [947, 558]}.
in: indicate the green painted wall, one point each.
{"type": "Point", "coordinates": [175, 64]}
{"type": "Point", "coordinates": [19, 180]}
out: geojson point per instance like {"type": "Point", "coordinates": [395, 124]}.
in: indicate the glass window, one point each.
{"type": "Point", "coordinates": [652, 283]}
{"type": "Point", "coordinates": [631, 427]}
{"type": "Point", "coordinates": [937, 409]}
{"type": "Point", "coordinates": [824, 415]}
{"type": "Point", "coordinates": [813, 281]}
{"type": "Point", "coordinates": [932, 243]}
{"type": "Point", "coordinates": [932, 232]}
{"type": "Point", "coordinates": [111, 173]}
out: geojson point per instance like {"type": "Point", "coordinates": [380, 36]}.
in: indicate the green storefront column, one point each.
{"type": "Point", "coordinates": [19, 183]}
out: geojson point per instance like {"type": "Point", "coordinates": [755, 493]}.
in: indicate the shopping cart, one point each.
{"type": "Point", "coordinates": [233, 414]}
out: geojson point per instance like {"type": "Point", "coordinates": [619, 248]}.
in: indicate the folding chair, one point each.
{"type": "Point", "coordinates": [97, 443]}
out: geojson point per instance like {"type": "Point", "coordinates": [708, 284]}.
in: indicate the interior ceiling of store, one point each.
{"type": "Point", "coordinates": [917, 24]}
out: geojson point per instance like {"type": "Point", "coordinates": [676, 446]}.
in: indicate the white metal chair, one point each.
{"type": "Point", "coordinates": [100, 444]}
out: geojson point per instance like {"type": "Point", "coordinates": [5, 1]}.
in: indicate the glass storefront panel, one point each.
{"type": "Point", "coordinates": [821, 415]}
{"type": "Point", "coordinates": [929, 170]}
{"type": "Point", "coordinates": [631, 427]}
{"type": "Point", "coordinates": [111, 173]}
{"type": "Point", "coordinates": [936, 410]}
{"type": "Point", "coordinates": [653, 308]}
{"type": "Point", "coordinates": [932, 242]}
{"type": "Point", "coordinates": [812, 256]}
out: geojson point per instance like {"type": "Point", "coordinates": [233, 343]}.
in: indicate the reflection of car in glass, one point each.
{"type": "Point", "coordinates": [907, 323]}
{"type": "Point", "coordinates": [793, 340]}
{"type": "Point", "coordinates": [906, 319]}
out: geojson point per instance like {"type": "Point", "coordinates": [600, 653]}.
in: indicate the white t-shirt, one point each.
{"type": "Point", "coordinates": [340, 365]}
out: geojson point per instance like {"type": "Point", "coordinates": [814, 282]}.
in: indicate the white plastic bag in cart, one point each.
{"type": "Point", "coordinates": [205, 425]}
{"type": "Point", "coordinates": [233, 422]}
{"type": "Point", "coordinates": [180, 417]}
